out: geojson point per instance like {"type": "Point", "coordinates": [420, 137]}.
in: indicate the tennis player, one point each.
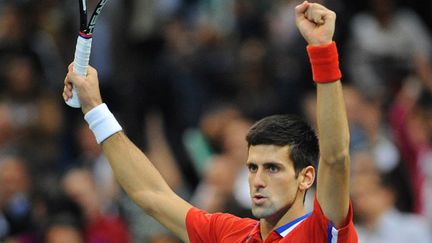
{"type": "Point", "coordinates": [281, 154]}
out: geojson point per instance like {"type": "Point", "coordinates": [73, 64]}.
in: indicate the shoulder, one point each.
{"type": "Point", "coordinates": [321, 227]}
{"type": "Point", "coordinates": [209, 227]}
{"type": "Point", "coordinates": [201, 215]}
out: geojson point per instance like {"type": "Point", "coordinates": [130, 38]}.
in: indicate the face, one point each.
{"type": "Point", "coordinates": [370, 199]}
{"type": "Point", "coordinates": [273, 184]}
{"type": "Point", "coordinates": [79, 185]}
{"type": "Point", "coordinates": [63, 234]}
{"type": "Point", "coordinates": [13, 178]}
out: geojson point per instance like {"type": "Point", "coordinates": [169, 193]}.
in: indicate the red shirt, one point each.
{"type": "Point", "coordinates": [226, 228]}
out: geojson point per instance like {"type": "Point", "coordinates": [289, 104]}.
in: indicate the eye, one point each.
{"type": "Point", "coordinates": [252, 168]}
{"type": "Point", "coordinates": [273, 168]}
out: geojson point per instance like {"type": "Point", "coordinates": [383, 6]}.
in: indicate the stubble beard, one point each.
{"type": "Point", "coordinates": [269, 209]}
{"type": "Point", "coordinates": [263, 211]}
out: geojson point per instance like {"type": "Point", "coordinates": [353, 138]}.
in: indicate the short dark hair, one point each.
{"type": "Point", "coordinates": [291, 130]}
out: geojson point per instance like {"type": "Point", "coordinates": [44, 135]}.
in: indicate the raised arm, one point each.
{"type": "Point", "coordinates": [133, 170]}
{"type": "Point", "coordinates": [317, 23]}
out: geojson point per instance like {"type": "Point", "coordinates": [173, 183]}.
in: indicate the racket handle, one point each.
{"type": "Point", "coordinates": [81, 62]}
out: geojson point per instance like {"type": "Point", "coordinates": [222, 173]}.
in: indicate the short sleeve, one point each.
{"type": "Point", "coordinates": [198, 226]}
{"type": "Point", "coordinates": [204, 227]}
{"type": "Point", "coordinates": [346, 233]}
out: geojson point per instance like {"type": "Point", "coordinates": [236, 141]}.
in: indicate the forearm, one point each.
{"type": "Point", "coordinates": [332, 122]}
{"type": "Point", "coordinates": [134, 171]}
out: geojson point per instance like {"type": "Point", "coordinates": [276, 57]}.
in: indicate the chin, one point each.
{"type": "Point", "coordinates": [269, 213]}
{"type": "Point", "coordinates": [261, 212]}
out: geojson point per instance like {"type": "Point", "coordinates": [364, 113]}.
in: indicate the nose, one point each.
{"type": "Point", "coordinates": [258, 179]}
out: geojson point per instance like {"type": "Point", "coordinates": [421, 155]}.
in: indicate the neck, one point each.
{"type": "Point", "coordinates": [284, 216]}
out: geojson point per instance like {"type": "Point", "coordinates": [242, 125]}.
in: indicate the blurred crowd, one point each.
{"type": "Point", "coordinates": [187, 78]}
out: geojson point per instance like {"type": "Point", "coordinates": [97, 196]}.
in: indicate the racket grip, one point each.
{"type": "Point", "coordinates": [81, 62]}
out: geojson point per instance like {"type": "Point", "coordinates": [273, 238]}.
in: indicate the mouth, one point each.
{"type": "Point", "coordinates": [258, 199]}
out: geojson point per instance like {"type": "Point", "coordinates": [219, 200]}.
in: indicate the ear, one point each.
{"type": "Point", "coordinates": [306, 178]}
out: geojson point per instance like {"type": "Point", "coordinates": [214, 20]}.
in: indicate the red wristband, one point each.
{"type": "Point", "coordinates": [325, 63]}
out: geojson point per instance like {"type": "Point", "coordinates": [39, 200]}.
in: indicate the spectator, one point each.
{"type": "Point", "coordinates": [64, 230]}
{"type": "Point", "coordinates": [15, 199]}
{"type": "Point", "coordinates": [411, 126]}
{"type": "Point", "coordinates": [369, 130]}
{"type": "Point", "coordinates": [368, 127]}
{"type": "Point", "coordinates": [34, 112]}
{"type": "Point", "coordinates": [99, 226]}
{"type": "Point", "coordinates": [387, 43]}
{"type": "Point", "coordinates": [374, 201]}
{"type": "Point", "coordinates": [218, 190]}
{"type": "Point", "coordinates": [91, 157]}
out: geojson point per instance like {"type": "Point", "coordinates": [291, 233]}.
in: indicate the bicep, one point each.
{"type": "Point", "coordinates": [333, 190]}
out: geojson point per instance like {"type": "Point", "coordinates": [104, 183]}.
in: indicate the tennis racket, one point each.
{"type": "Point", "coordinates": [83, 46]}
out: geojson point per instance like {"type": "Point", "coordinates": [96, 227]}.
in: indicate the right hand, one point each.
{"type": "Point", "coordinates": [87, 88]}
{"type": "Point", "coordinates": [315, 22]}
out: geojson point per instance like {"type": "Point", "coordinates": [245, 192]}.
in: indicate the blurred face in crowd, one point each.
{"type": "Point", "coordinates": [80, 186]}
{"type": "Point", "coordinates": [383, 10]}
{"type": "Point", "coordinates": [233, 141]}
{"type": "Point", "coordinates": [370, 197]}
{"type": "Point", "coordinates": [363, 194]}
{"type": "Point", "coordinates": [14, 178]}
{"type": "Point", "coordinates": [274, 186]}
{"type": "Point", "coordinates": [63, 234]}
{"type": "Point", "coordinates": [21, 77]}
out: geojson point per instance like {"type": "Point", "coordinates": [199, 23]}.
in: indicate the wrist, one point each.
{"type": "Point", "coordinates": [324, 60]}
{"type": "Point", "coordinates": [319, 43]}
{"type": "Point", "coordinates": [88, 107]}
{"type": "Point", "coordinates": [102, 122]}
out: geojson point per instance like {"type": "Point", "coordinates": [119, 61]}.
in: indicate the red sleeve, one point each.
{"type": "Point", "coordinates": [346, 233]}
{"type": "Point", "coordinates": [203, 227]}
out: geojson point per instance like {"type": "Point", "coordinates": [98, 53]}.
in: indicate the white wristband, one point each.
{"type": "Point", "coordinates": [102, 122]}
